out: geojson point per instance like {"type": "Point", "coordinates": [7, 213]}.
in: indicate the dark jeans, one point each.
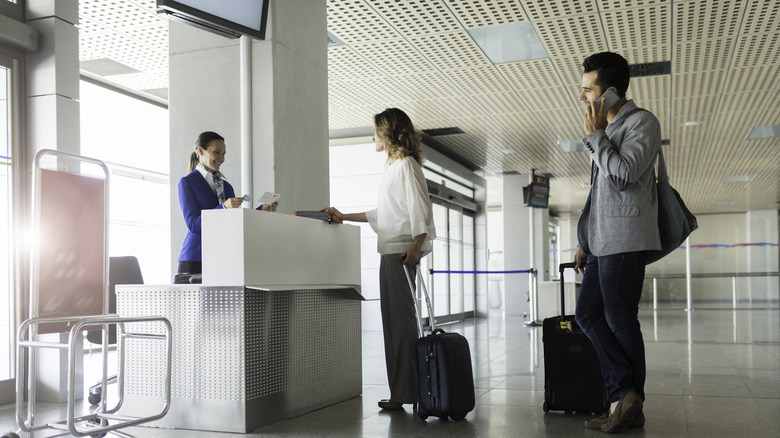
{"type": "Point", "coordinates": [607, 311]}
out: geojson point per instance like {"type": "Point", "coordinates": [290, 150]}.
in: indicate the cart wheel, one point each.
{"type": "Point", "coordinates": [458, 417]}
{"type": "Point", "coordinates": [100, 423]}
{"type": "Point", "coordinates": [545, 408]}
{"type": "Point", "coordinates": [93, 399]}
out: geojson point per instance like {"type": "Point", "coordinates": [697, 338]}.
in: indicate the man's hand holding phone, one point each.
{"type": "Point", "coordinates": [596, 112]}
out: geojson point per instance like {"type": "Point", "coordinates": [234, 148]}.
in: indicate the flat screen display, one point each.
{"type": "Point", "coordinates": [537, 193]}
{"type": "Point", "coordinates": [229, 18]}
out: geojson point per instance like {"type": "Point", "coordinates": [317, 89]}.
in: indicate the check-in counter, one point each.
{"type": "Point", "coordinates": [273, 332]}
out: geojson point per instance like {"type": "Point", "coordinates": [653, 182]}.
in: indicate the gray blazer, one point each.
{"type": "Point", "coordinates": [623, 214]}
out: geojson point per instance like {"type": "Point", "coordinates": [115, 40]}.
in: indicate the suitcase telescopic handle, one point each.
{"type": "Point", "coordinates": [565, 266]}
{"type": "Point", "coordinates": [562, 267]}
{"type": "Point", "coordinates": [412, 290]}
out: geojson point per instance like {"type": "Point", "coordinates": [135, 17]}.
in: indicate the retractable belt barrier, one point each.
{"type": "Point", "coordinates": [532, 289]}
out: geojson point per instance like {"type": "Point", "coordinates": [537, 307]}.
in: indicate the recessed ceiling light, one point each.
{"type": "Point", "coordinates": [106, 67]}
{"type": "Point", "coordinates": [765, 132]}
{"type": "Point", "coordinates": [508, 151]}
{"type": "Point", "coordinates": [738, 178]}
{"type": "Point", "coordinates": [692, 123]}
{"type": "Point", "coordinates": [571, 145]}
{"type": "Point", "coordinates": [509, 42]}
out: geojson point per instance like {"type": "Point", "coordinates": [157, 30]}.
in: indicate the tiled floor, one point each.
{"type": "Point", "coordinates": [711, 373]}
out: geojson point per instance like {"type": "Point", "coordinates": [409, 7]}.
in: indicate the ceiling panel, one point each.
{"type": "Point", "coordinates": [417, 17]}
{"type": "Point", "coordinates": [544, 9]}
{"type": "Point", "coordinates": [418, 55]}
{"type": "Point", "coordinates": [451, 50]}
{"type": "Point", "coordinates": [578, 35]}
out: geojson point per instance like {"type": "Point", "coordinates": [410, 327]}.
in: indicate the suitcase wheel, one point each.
{"type": "Point", "coordinates": [458, 417]}
{"type": "Point", "coordinates": [422, 416]}
{"type": "Point", "coordinates": [545, 407]}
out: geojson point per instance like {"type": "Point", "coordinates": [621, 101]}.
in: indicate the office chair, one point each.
{"type": "Point", "coordinates": [121, 270]}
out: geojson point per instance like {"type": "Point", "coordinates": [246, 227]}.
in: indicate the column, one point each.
{"type": "Point", "coordinates": [289, 106]}
{"type": "Point", "coordinates": [53, 123]}
{"type": "Point", "coordinates": [762, 226]}
{"type": "Point", "coordinates": [517, 244]}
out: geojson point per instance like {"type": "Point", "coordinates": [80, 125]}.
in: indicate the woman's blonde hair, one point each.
{"type": "Point", "coordinates": [395, 129]}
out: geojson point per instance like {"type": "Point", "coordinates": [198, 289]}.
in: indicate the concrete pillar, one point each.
{"type": "Point", "coordinates": [289, 107]}
{"type": "Point", "coordinates": [52, 102]}
{"type": "Point", "coordinates": [53, 77]}
{"type": "Point", "coordinates": [762, 226]}
{"type": "Point", "coordinates": [517, 244]}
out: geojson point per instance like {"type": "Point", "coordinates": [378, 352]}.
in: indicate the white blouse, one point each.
{"type": "Point", "coordinates": [403, 209]}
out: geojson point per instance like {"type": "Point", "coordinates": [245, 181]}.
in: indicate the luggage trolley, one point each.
{"type": "Point", "coordinates": [69, 294]}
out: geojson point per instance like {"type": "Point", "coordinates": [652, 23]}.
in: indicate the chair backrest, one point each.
{"type": "Point", "coordinates": [121, 270]}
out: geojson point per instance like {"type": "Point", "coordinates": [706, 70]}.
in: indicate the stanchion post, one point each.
{"type": "Point", "coordinates": [533, 321]}
{"type": "Point", "coordinates": [655, 293]}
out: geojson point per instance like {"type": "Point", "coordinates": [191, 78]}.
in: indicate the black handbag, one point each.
{"type": "Point", "coordinates": [675, 221]}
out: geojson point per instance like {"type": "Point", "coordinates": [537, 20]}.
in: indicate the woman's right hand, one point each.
{"type": "Point", "coordinates": [270, 207]}
{"type": "Point", "coordinates": [333, 211]}
{"type": "Point", "coordinates": [233, 203]}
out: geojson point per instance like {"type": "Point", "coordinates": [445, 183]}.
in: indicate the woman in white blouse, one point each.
{"type": "Point", "coordinates": [403, 221]}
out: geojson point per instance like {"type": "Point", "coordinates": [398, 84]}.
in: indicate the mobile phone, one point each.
{"type": "Point", "coordinates": [611, 97]}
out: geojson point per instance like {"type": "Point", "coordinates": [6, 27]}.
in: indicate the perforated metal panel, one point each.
{"type": "Point", "coordinates": [232, 346]}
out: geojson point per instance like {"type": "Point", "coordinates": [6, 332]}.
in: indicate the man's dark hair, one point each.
{"type": "Point", "coordinates": [612, 71]}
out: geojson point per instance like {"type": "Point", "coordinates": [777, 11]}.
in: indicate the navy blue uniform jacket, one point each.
{"type": "Point", "coordinates": [195, 195]}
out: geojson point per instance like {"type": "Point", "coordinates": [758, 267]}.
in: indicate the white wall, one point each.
{"type": "Point", "coordinates": [714, 229]}
{"type": "Point", "coordinates": [355, 174]}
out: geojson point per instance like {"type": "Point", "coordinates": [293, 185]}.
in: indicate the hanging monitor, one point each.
{"type": "Point", "coordinates": [227, 18]}
{"type": "Point", "coordinates": [537, 193]}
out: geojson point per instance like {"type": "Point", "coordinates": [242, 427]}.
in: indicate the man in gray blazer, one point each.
{"type": "Point", "coordinates": [616, 230]}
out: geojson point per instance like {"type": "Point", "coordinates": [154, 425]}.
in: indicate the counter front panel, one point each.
{"type": "Point", "coordinates": [243, 357]}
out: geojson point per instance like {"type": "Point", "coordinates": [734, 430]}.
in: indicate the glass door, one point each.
{"type": "Point", "coordinates": [453, 291]}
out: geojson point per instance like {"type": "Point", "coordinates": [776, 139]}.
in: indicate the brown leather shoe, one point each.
{"type": "Point", "coordinates": [390, 405]}
{"type": "Point", "coordinates": [627, 408]}
{"type": "Point", "coordinates": [637, 423]}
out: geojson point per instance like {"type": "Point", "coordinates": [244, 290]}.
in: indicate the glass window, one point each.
{"type": "Point", "coordinates": [469, 282]}
{"type": "Point", "coordinates": [131, 136]}
{"type": "Point", "coordinates": [440, 259]}
{"type": "Point", "coordinates": [6, 281]}
{"type": "Point", "coordinates": [456, 261]}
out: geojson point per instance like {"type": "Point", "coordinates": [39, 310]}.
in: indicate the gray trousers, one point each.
{"type": "Point", "coordinates": [399, 324]}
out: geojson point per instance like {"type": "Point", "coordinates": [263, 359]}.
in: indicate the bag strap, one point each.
{"type": "Point", "coordinates": [662, 175]}
{"type": "Point", "coordinates": [617, 123]}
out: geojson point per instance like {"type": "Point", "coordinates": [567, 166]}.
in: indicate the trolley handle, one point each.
{"type": "Point", "coordinates": [412, 290]}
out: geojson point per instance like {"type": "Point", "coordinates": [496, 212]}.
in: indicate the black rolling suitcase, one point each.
{"type": "Point", "coordinates": [446, 381]}
{"type": "Point", "coordinates": [572, 375]}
